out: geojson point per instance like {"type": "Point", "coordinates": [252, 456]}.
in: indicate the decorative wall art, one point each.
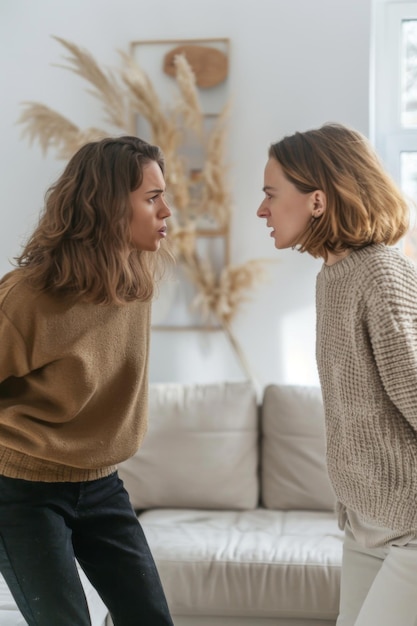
{"type": "Point", "coordinates": [184, 109]}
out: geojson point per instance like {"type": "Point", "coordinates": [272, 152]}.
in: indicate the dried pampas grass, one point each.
{"type": "Point", "coordinates": [127, 93]}
{"type": "Point", "coordinates": [188, 105]}
{"type": "Point", "coordinates": [106, 87]}
{"type": "Point", "coordinates": [216, 196]}
{"type": "Point", "coordinates": [55, 131]}
{"type": "Point", "coordinates": [223, 294]}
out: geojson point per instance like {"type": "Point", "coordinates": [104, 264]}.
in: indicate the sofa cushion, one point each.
{"type": "Point", "coordinates": [201, 449]}
{"type": "Point", "coordinates": [259, 563]}
{"type": "Point", "coordinates": [294, 474]}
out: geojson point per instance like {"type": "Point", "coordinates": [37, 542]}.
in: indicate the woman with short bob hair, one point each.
{"type": "Point", "coordinates": [74, 336]}
{"type": "Point", "coordinates": [326, 193]}
{"type": "Point", "coordinates": [364, 204]}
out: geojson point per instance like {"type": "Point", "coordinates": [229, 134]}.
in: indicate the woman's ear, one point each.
{"type": "Point", "coordinates": [319, 203]}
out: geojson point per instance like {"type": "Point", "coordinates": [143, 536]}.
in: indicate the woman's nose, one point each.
{"type": "Point", "coordinates": [165, 210]}
{"type": "Point", "coordinates": [261, 212]}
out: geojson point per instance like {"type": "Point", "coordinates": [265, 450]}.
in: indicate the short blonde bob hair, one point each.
{"type": "Point", "coordinates": [364, 205]}
{"type": "Point", "coordinates": [82, 244]}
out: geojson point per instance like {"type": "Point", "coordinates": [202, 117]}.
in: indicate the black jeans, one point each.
{"type": "Point", "coordinates": [45, 526]}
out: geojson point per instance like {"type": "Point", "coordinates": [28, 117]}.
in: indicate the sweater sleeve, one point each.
{"type": "Point", "coordinates": [391, 317]}
{"type": "Point", "coordinates": [13, 353]}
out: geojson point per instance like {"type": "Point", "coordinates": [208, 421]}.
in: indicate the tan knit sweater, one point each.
{"type": "Point", "coordinates": [367, 360]}
{"type": "Point", "coordinates": [73, 384]}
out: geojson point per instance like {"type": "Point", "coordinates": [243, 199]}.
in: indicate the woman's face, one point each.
{"type": "Point", "coordinates": [286, 210]}
{"type": "Point", "coordinates": [149, 210]}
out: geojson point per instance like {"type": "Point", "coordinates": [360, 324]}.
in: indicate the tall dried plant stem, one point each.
{"type": "Point", "coordinates": [106, 87]}
{"type": "Point", "coordinates": [239, 352]}
{"type": "Point", "coordinates": [189, 104]}
{"type": "Point", "coordinates": [204, 280]}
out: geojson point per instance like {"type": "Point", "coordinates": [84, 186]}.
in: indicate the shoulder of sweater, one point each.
{"type": "Point", "coordinates": [13, 283]}
{"type": "Point", "coordinates": [387, 266]}
{"type": "Point", "coordinates": [386, 257]}
{"type": "Point", "coordinates": [18, 298]}
{"type": "Point", "coordinates": [388, 284]}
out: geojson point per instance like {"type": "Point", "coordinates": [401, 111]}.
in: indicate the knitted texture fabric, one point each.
{"type": "Point", "coordinates": [73, 384]}
{"type": "Point", "coordinates": [367, 361]}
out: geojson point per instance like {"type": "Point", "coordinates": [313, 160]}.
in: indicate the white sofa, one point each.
{"type": "Point", "coordinates": [234, 498]}
{"type": "Point", "coordinates": [235, 501]}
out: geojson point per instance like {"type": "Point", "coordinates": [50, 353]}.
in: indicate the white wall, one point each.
{"type": "Point", "coordinates": [295, 64]}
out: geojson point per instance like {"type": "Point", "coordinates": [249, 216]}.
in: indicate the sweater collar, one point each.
{"type": "Point", "coordinates": [348, 263]}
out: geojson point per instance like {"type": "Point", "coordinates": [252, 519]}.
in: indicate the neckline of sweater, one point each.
{"type": "Point", "coordinates": [349, 262]}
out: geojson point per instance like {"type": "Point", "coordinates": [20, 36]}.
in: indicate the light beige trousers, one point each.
{"type": "Point", "coordinates": [379, 585]}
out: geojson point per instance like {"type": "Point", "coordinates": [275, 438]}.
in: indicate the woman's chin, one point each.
{"type": "Point", "coordinates": [282, 245]}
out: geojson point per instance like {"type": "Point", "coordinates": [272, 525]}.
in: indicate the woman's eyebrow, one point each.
{"type": "Point", "coordinates": [155, 191]}
{"type": "Point", "coordinates": [268, 188]}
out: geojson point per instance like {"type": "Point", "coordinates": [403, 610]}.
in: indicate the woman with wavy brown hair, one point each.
{"type": "Point", "coordinates": [326, 193]}
{"type": "Point", "coordinates": [74, 336]}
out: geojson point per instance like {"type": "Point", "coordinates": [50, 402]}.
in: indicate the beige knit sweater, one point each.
{"type": "Point", "coordinates": [367, 360]}
{"type": "Point", "coordinates": [73, 384]}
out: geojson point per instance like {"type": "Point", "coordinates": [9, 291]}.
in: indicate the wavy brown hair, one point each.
{"type": "Point", "coordinates": [82, 245]}
{"type": "Point", "coordinates": [364, 205]}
